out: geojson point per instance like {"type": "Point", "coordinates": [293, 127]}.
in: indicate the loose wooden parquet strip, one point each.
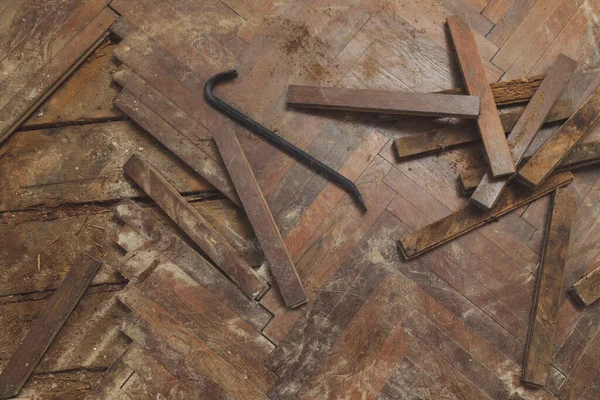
{"type": "Point", "coordinates": [489, 189]}
{"type": "Point", "coordinates": [384, 102]}
{"type": "Point", "coordinates": [490, 126]}
{"type": "Point", "coordinates": [587, 289]}
{"type": "Point", "coordinates": [580, 87]}
{"type": "Point", "coordinates": [195, 227]}
{"type": "Point", "coordinates": [43, 83]}
{"type": "Point", "coordinates": [561, 143]}
{"type": "Point", "coordinates": [46, 327]}
{"type": "Point", "coordinates": [472, 217]}
{"type": "Point", "coordinates": [167, 242]}
{"type": "Point", "coordinates": [191, 154]}
{"type": "Point", "coordinates": [548, 293]}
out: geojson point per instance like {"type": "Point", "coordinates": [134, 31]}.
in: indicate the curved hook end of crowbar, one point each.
{"type": "Point", "coordinates": [213, 80]}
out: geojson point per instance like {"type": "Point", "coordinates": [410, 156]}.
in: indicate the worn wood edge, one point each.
{"type": "Point", "coordinates": [564, 200]}
{"type": "Point", "coordinates": [52, 88]}
{"type": "Point", "coordinates": [563, 179]}
{"type": "Point", "coordinates": [9, 389]}
{"type": "Point", "coordinates": [583, 282]}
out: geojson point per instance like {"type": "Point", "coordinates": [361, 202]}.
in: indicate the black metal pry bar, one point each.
{"type": "Point", "coordinates": [277, 140]}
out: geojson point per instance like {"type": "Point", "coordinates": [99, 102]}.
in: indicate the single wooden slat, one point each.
{"type": "Point", "coordinates": [55, 72]}
{"type": "Point", "coordinates": [587, 289]}
{"type": "Point", "coordinates": [194, 156]}
{"type": "Point", "coordinates": [539, 350]}
{"type": "Point", "coordinates": [195, 226]}
{"type": "Point", "coordinates": [471, 217]}
{"type": "Point", "coordinates": [46, 327]}
{"type": "Point", "coordinates": [380, 101]}
{"type": "Point", "coordinates": [580, 87]}
{"type": "Point", "coordinates": [490, 126]}
{"type": "Point", "coordinates": [582, 155]}
{"type": "Point", "coordinates": [560, 144]}
{"type": "Point", "coordinates": [258, 212]}
{"type": "Point", "coordinates": [505, 92]}
{"type": "Point", "coordinates": [519, 139]}
{"type": "Point", "coordinates": [153, 232]}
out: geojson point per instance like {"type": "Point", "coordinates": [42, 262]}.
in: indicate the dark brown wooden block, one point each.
{"type": "Point", "coordinates": [519, 139]}
{"type": "Point", "coordinates": [258, 212]}
{"type": "Point", "coordinates": [195, 226]}
{"type": "Point", "coordinates": [46, 327]}
{"type": "Point", "coordinates": [380, 101]}
{"type": "Point", "coordinates": [561, 143]}
{"type": "Point", "coordinates": [539, 351]}
{"type": "Point", "coordinates": [587, 289]}
{"type": "Point", "coordinates": [490, 126]}
{"type": "Point", "coordinates": [471, 217]}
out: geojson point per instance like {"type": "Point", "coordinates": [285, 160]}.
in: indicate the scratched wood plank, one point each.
{"type": "Point", "coordinates": [162, 239]}
{"type": "Point", "coordinates": [488, 122]}
{"type": "Point", "coordinates": [472, 217]}
{"type": "Point", "coordinates": [195, 227]}
{"type": "Point", "coordinates": [258, 212]}
{"type": "Point", "coordinates": [587, 289]}
{"type": "Point", "coordinates": [47, 79]}
{"type": "Point", "coordinates": [538, 353]}
{"type": "Point", "coordinates": [550, 155]}
{"type": "Point", "coordinates": [379, 101]}
{"type": "Point", "coordinates": [584, 373]}
{"type": "Point", "coordinates": [47, 326]}
{"type": "Point", "coordinates": [580, 87]}
{"type": "Point", "coordinates": [507, 14]}
{"type": "Point", "coordinates": [489, 189]}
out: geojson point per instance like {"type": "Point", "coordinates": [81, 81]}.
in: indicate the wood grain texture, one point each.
{"type": "Point", "coordinates": [488, 122]}
{"type": "Point", "coordinates": [584, 372]}
{"type": "Point", "coordinates": [195, 226]}
{"type": "Point", "coordinates": [471, 217]}
{"type": "Point", "coordinates": [47, 79]}
{"type": "Point", "coordinates": [39, 338]}
{"type": "Point", "coordinates": [505, 92]}
{"type": "Point", "coordinates": [587, 289]}
{"type": "Point", "coordinates": [489, 189]}
{"type": "Point", "coordinates": [385, 102]}
{"type": "Point", "coordinates": [258, 212]}
{"type": "Point", "coordinates": [561, 143]}
{"type": "Point", "coordinates": [579, 88]}
{"type": "Point", "coordinates": [153, 233]}
{"type": "Point", "coordinates": [538, 353]}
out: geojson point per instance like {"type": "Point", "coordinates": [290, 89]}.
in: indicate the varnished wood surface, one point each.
{"type": "Point", "coordinates": [472, 296]}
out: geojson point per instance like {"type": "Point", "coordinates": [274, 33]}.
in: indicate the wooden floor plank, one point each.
{"type": "Point", "coordinates": [177, 250]}
{"type": "Point", "coordinates": [549, 285]}
{"type": "Point", "coordinates": [35, 344]}
{"type": "Point", "coordinates": [490, 126]}
{"type": "Point", "coordinates": [584, 372]}
{"type": "Point", "coordinates": [561, 143]}
{"type": "Point", "coordinates": [489, 189]}
{"type": "Point", "coordinates": [196, 227]}
{"type": "Point", "coordinates": [384, 102]}
{"type": "Point", "coordinates": [587, 289]}
{"type": "Point", "coordinates": [472, 217]}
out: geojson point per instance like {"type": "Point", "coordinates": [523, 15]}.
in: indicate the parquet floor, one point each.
{"type": "Point", "coordinates": [450, 324]}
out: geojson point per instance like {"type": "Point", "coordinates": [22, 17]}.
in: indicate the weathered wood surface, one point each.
{"type": "Point", "coordinates": [82, 164]}
{"type": "Point", "coordinates": [488, 122]}
{"type": "Point", "coordinates": [584, 372]}
{"type": "Point", "coordinates": [472, 217]}
{"type": "Point", "coordinates": [47, 79]}
{"type": "Point", "coordinates": [86, 96]}
{"type": "Point", "coordinates": [195, 226]}
{"type": "Point", "coordinates": [538, 353]}
{"type": "Point", "coordinates": [258, 212]}
{"type": "Point", "coordinates": [587, 289]}
{"type": "Point", "coordinates": [385, 102]}
{"type": "Point", "coordinates": [47, 326]}
{"type": "Point", "coordinates": [489, 189]}
{"type": "Point", "coordinates": [579, 88]}
{"type": "Point", "coordinates": [505, 92]}
{"type": "Point", "coordinates": [551, 154]}
{"type": "Point", "coordinates": [583, 155]}
{"type": "Point", "coordinates": [162, 239]}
